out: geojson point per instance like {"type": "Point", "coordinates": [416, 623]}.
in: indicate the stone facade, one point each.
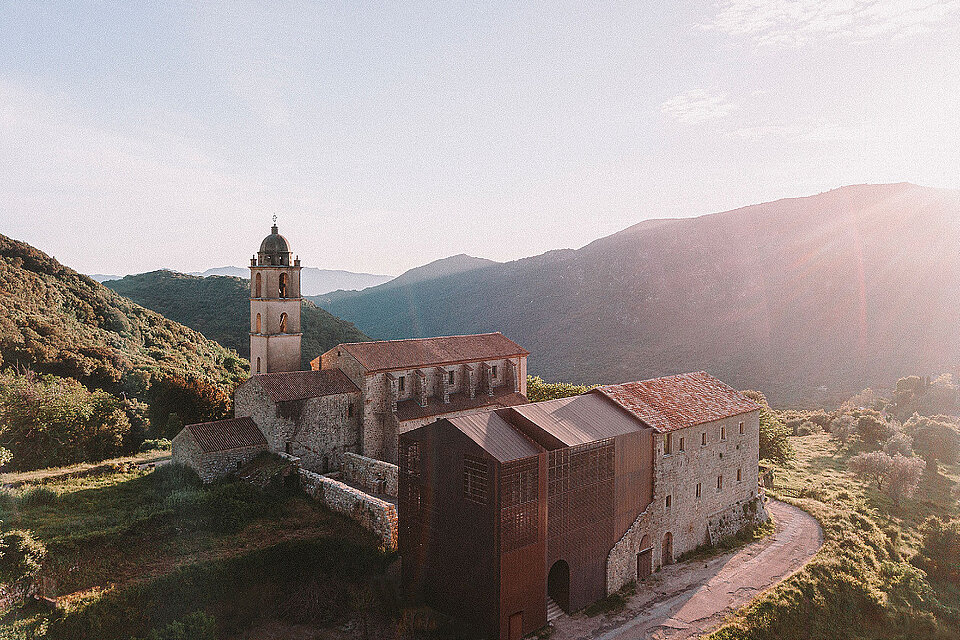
{"type": "Point", "coordinates": [712, 489]}
{"type": "Point", "coordinates": [317, 430]}
{"type": "Point", "coordinates": [373, 476]}
{"type": "Point", "coordinates": [373, 514]}
{"type": "Point", "coordinates": [214, 465]}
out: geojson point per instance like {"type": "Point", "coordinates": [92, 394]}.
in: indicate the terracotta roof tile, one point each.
{"type": "Point", "coordinates": [675, 402]}
{"type": "Point", "coordinates": [388, 355]}
{"type": "Point", "coordinates": [297, 385]}
{"type": "Point", "coordinates": [232, 433]}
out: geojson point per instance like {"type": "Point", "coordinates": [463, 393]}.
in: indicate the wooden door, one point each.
{"type": "Point", "coordinates": [644, 564]}
{"type": "Point", "coordinates": [516, 626]}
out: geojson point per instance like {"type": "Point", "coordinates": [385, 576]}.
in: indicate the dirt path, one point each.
{"type": "Point", "coordinates": [691, 599]}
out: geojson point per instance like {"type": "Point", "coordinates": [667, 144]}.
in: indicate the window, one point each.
{"type": "Point", "coordinates": [669, 501]}
{"type": "Point", "coordinates": [719, 483]}
{"type": "Point", "coordinates": [494, 371]}
{"type": "Point", "coordinates": [288, 448]}
{"type": "Point", "coordinates": [258, 365]}
{"type": "Point", "coordinates": [259, 286]}
{"type": "Point", "coordinates": [283, 285]}
{"type": "Point", "coordinates": [681, 443]}
{"type": "Point", "coordinates": [699, 489]}
{"type": "Point", "coordinates": [738, 475]}
{"type": "Point", "coordinates": [475, 479]}
{"type": "Point", "coordinates": [283, 323]}
{"type": "Point", "coordinates": [703, 439]}
{"type": "Point", "coordinates": [723, 432]}
{"type": "Point", "coordinates": [741, 428]}
{"type": "Point", "coordinates": [401, 383]}
{"type": "Point", "coordinates": [258, 323]}
{"type": "Point", "coordinates": [338, 354]}
{"type": "Point", "coordinates": [239, 464]}
{"type": "Point", "coordinates": [450, 377]}
{"type": "Point", "coordinates": [668, 444]}
{"type": "Point", "coordinates": [350, 410]}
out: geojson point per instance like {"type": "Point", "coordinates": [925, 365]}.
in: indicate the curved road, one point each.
{"type": "Point", "coordinates": [693, 598]}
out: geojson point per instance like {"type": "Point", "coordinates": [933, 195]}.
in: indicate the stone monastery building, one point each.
{"type": "Point", "coordinates": [509, 512]}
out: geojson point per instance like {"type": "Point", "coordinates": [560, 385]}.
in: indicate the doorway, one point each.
{"type": "Point", "coordinates": [666, 553]}
{"type": "Point", "coordinates": [558, 584]}
{"type": "Point", "coordinates": [644, 559]}
{"type": "Point", "coordinates": [516, 626]}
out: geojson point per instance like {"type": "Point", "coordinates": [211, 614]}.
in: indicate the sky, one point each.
{"type": "Point", "coordinates": [136, 136]}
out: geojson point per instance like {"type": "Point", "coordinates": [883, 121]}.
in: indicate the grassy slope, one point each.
{"type": "Point", "coordinates": [121, 530]}
{"type": "Point", "coordinates": [860, 584]}
{"type": "Point", "coordinates": [219, 308]}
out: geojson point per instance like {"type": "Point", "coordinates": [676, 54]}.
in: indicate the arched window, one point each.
{"type": "Point", "coordinates": [259, 286]}
{"type": "Point", "coordinates": [258, 323]}
{"type": "Point", "coordinates": [283, 323]}
{"type": "Point", "coordinates": [258, 365]}
{"type": "Point", "coordinates": [283, 285]}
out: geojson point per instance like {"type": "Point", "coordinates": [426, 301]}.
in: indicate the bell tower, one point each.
{"type": "Point", "coordinates": [274, 306]}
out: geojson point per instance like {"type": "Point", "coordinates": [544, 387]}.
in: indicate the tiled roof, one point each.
{"type": "Point", "coordinates": [579, 419]}
{"type": "Point", "coordinates": [388, 355]}
{"type": "Point", "coordinates": [496, 436]}
{"type": "Point", "coordinates": [297, 385]}
{"type": "Point", "coordinates": [411, 410]}
{"type": "Point", "coordinates": [675, 402]}
{"type": "Point", "coordinates": [221, 435]}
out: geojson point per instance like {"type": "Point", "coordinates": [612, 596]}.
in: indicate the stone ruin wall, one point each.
{"type": "Point", "coordinates": [373, 514]}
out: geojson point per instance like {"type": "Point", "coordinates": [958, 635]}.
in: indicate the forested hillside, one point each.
{"type": "Point", "coordinates": [809, 298]}
{"type": "Point", "coordinates": [219, 308]}
{"type": "Point", "coordinates": [56, 321]}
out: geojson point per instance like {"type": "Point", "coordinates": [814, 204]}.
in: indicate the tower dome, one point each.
{"type": "Point", "coordinates": [274, 250]}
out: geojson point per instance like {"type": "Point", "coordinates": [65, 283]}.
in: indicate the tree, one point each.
{"type": "Point", "coordinates": [939, 554]}
{"type": "Point", "coordinates": [874, 466]}
{"type": "Point", "coordinates": [873, 429]}
{"type": "Point", "coordinates": [904, 476]}
{"type": "Point", "coordinates": [843, 428]}
{"type": "Point", "coordinates": [935, 441]}
{"type": "Point", "coordinates": [774, 435]}
{"type": "Point", "coordinates": [538, 390]}
{"type": "Point", "coordinates": [899, 443]}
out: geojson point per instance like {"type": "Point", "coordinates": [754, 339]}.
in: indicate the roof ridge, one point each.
{"type": "Point", "coordinates": [459, 335]}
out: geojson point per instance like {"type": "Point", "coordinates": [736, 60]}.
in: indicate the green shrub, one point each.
{"type": "Point", "coordinates": [20, 556]}
{"type": "Point", "coordinates": [196, 626]}
{"type": "Point", "coordinates": [940, 552]}
{"type": "Point", "coordinates": [161, 444]}
{"type": "Point", "coordinates": [174, 476]}
{"type": "Point", "coordinates": [38, 496]}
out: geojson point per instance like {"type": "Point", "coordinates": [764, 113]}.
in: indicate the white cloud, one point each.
{"type": "Point", "coordinates": [694, 107]}
{"type": "Point", "coordinates": [796, 22]}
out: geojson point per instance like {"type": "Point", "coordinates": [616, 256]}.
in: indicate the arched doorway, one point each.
{"type": "Point", "coordinates": [283, 285]}
{"type": "Point", "coordinates": [666, 552]}
{"type": "Point", "coordinates": [558, 584]}
{"type": "Point", "coordinates": [259, 286]}
{"type": "Point", "coordinates": [644, 559]}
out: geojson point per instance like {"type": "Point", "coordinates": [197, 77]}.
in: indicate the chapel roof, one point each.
{"type": "Point", "coordinates": [232, 433]}
{"type": "Point", "coordinates": [391, 355]}
{"type": "Point", "coordinates": [275, 243]}
{"type": "Point", "coordinates": [299, 385]}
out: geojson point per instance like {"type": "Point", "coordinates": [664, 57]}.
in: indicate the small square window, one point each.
{"type": "Point", "coordinates": [699, 488]}
{"type": "Point", "coordinates": [668, 444]}
{"type": "Point", "coordinates": [669, 501]}
{"type": "Point", "coordinates": [723, 432]}
{"type": "Point", "coordinates": [494, 371]}
{"type": "Point", "coordinates": [350, 410]}
{"type": "Point", "coordinates": [401, 383]}
{"type": "Point", "coordinates": [450, 377]}
{"type": "Point", "coordinates": [741, 428]}
{"type": "Point", "coordinates": [681, 443]}
{"type": "Point", "coordinates": [738, 475]}
{"type": "Point", "coordinates": [703, 439]}
{"type": "Point", "coordinates": [719, 483]}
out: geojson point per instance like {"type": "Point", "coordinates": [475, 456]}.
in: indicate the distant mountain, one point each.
{"type": "Point", "coordinates": [460, 263]}
{"type": "Point", "coordinates": [808, 299]}
{"type": "Point", "coordinates": [55, 320]}
{"type": "Point", "coordinates": [103, 277]}
{"type": "Point", "coordinates": [219, 308]}
{"type": "Point", "coordinates": [313, 281]}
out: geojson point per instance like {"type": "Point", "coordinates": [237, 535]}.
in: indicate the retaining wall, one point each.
{"type": "Point", "coordinates": [373, 514]}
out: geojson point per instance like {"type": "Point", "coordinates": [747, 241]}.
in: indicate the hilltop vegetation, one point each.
{"type": "Point", "coordinates": [886, 493]}
{"type": "Point", "coordinates": [809, 299]}
{"type": "Point", "coordinates": [66, 327]}
{"type": "Point", "coordinates": [219, 308]}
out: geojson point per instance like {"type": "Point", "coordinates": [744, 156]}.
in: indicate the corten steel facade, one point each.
{"type": "Point", "coordinates": [501, 510]}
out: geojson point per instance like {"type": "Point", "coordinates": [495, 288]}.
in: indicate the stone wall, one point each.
{"type": "Point", "coordinates": [371, 475]}
{"type": "Point", "coordinates": [317, 430]}
{"type": "Point", "coordinates": [693, 520]}
{"type": "Point", "coordinates": [373, 514]}
{"type": "Point", "coordinates": [213, 465]}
